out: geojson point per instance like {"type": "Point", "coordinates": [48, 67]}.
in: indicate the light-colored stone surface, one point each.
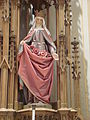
{"type": "Point", "coordinates": [38, 109]}
{"type": "Point", "coordinates": [80, 26]}
{"type": "Point", "coordinates": [88, 8]}
{"type": "Point", "coordinates": [7, 110]}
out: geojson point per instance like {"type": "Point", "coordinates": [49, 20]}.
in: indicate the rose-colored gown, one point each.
{"type": "Point", "coordinates": [40, 44]}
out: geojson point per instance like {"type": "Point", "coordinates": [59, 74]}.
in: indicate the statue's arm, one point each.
{"type": "Point", "coordinates": [53, 53]}
{"type": "Point", "coordinates": [28, 38]}
{"type": "Point", "coordinates": [22, 43]}
{"type": "Point", "coordinates": [51, 49]}
{"type": "Point", "coordinates": [27, 41]}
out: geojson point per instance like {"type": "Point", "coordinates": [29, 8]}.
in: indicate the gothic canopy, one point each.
{"type": "Point", "coordinates": [42, 4]}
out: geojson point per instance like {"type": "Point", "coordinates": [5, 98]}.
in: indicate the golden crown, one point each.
{"type": "Point", "coordinates": [39, 14]}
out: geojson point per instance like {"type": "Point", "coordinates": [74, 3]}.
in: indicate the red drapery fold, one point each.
{"type": "Point", "coordinates": [36, 72]}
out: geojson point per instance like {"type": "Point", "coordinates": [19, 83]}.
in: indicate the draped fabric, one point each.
{"type": "Point", "coordinates": [36, 73]}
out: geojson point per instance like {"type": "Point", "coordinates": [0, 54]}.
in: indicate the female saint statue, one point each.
{"type": "Point", "coordinates": [36, 56]}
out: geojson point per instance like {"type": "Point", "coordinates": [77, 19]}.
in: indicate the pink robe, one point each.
{"type": "Point", "coordinates": [36, 70]}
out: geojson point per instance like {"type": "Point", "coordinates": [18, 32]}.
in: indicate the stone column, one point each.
{"type": "Point", "coordinates": [62, 81]}
{"type": "Point", "coordinates": [0, 62]}
{"type": "Point", "coordinates": [17, 44]}
{"type": "Point", "coordinates": [11, 86]}
{"type": "Point", "coordinates": [76, 73]}
{"type": "Point", "coordinates": [63, 72]}
{"type": "Point", "coordinates": [58, 62]}
{"type": "Point", "coordinates": [12, 44]}
{"type": "Point", "coordinates": [4, 65]}
{"type": "Point", "coordinates": [68, 21]}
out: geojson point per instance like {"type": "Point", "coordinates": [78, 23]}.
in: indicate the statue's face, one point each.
{"type": "Point", "coordinates": [39, 21]}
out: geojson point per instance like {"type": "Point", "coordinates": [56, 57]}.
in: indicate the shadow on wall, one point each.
{"type": "Point", "coordinates": [77, 32]}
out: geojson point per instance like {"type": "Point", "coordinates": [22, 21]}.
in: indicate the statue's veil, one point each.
{"type": "Point", "coordinates": [44, 25]}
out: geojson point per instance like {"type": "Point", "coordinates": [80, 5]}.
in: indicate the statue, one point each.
{"type": "Point", "coordinates": [36, 56]}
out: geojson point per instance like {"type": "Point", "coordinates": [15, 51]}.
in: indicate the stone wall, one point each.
{"type": "Point", "coordinates": [80, 31]}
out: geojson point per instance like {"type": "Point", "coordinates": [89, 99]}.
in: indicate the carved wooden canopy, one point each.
{"type": "Point", "coordinates": [41, 4]}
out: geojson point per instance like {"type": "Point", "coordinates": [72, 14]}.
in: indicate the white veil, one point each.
{"type": "Point", "coordinates": [44, 26]}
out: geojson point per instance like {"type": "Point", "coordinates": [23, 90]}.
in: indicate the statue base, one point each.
{"type": "Point", "coordinates": [38, 105]}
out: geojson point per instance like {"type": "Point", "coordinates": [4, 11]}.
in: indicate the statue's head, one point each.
{"type": "Point", "coordinates": [39, 18]}
{"type": "Point", "coordinates": [39, 21]}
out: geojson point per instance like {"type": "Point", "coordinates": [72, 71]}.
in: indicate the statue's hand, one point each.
{"type": "Point", "coordinates": [55, 56]}
{"type": "Point", "coordinates": [22, 42]}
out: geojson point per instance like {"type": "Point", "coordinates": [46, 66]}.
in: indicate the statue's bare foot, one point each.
{"type": "Point", "coordinates": [40, 103]}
